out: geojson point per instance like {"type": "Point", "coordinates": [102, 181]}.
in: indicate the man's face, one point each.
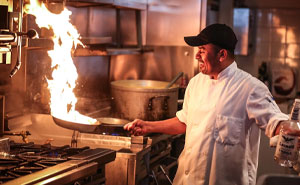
{"type": "Point", "coordinates": [208, 59]}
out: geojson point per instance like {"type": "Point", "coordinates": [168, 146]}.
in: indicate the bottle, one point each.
{"type": "Point", "coordinates": [286, 153]}
{"type": "Point", "coordinates": [296, 167]}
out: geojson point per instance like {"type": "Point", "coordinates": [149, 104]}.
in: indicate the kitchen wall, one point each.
{"type": "Point", "coordinates": [275, 40]}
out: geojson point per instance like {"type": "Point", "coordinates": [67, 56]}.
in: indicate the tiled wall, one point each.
{"type": "Point", "coordinates": [275, 40]}
{"type": "Point", "coordinates": [277, 37]}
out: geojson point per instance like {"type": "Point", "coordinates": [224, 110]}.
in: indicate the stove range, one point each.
{"type": "Point", "coordinates": [29, 163]}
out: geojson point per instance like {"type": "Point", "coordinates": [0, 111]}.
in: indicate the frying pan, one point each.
{"type": "Point", "coordinates": [112, 122]}
{"type": "Point", "coordinates": [81, 127]}
{"type": "Point", "coordinates": [90, 128]}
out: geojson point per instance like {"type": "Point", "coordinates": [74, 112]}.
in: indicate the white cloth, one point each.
{"type": "Point", "coordinates": [222, 120]}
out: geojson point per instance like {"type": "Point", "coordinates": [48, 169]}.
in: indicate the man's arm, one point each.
{"type": "Point", "coordinates": [170, 126]}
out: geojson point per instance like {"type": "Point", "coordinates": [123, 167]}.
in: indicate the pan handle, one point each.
{"type": "Point", "coordinates": [165, 104]}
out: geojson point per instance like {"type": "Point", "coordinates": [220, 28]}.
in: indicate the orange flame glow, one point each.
{"type": "Point", "coordinates": [63, 100]}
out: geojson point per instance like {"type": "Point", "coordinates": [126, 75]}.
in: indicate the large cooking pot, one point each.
{"type": "Point", "coordinates": [144, 99]}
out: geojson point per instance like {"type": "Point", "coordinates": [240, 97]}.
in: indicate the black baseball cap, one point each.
{"type": "Point", "coordinates": [217, 34]}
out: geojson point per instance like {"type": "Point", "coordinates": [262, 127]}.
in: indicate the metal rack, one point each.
{"type": "Point", "coordinates": [102, 46]}
{"type": "Point", "coordinates": [128, 4]}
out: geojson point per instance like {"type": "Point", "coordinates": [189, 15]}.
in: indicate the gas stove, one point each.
{"type": "Point", "coordinates": [30, 163]}
{"type": "Point", "coordinates": [135, 159]}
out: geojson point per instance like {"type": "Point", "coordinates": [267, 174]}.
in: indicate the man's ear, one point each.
{"type": "Point", "coordinates": [223, 53]}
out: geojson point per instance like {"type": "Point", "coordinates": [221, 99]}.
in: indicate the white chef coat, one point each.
{"type": "Point", "coordinates": [222, 120]}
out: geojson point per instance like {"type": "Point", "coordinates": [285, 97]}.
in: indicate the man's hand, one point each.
{"type": "Point", "coordinates": [280, 125]}
{"type": "Point", "coordinates": [288, 130]}
{"type": "Point", "coordinates": [137, 127]}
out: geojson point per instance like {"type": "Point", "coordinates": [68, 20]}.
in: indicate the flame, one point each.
{"type": "Point", "coordinates": [64, 75]}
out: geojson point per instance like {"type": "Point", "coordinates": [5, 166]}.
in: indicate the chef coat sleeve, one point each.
{"type": "Point", "coordinates": [263, 109]}
{"type": "Point", "coordinates": [182, 114]}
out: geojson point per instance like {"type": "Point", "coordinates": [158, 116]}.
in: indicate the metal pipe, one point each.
{"type": "Point", "coordinates": [2, 114]}
{"type": "Point", "coordinates": [7, 37]}
{"type": "Point", "coordinates": [138, 19]}
{"type": "Point", "coordinates": [166, 175]}
{"type": "Point", "coordinates": [118, 28]}
{"type": "Point", "coordinates": [19, 38]}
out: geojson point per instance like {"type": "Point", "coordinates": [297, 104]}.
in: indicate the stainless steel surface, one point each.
{"type": "Point", "coordinates": [144, 99]}
{"type": "Point", "coordinates": [108, 51]}
{"type": "Point", "coordinates": [95, 40]}
{"type": "Point", "coordinates": [114, 142]}
{"type": "Point", "coordinates": [73, 175]}
{"type": "Point", "coordinates": [48, 172]}
{"type": "Point", "coordinates": [81, 127]}
{"type": "Point", "coordinates": [99, 155]}
{"type": "Point", "coordinates": [135, 4]}
{"type": "Point", "coordinates": [41, 43]}
{"type": "Point", "coordinates": [141, 85]}
{"type": "Point", "coordinates": [128, 166]}
{"type": "Point", "coordinates": [148, 66]}
{"type": "Point", "coordinates": [134, 166]}
{"type": "Point", "coordinates": [169, 21]}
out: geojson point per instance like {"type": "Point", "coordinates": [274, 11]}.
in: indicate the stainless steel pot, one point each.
{"type": "Point", "coordinates": [144, 99]}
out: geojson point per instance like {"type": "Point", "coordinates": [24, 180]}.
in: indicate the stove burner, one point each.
{"type": "Point", "coordinates": [29, 158]}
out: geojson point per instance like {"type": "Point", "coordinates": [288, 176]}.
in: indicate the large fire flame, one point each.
{"type": "Point", "coordinates": [63, 100]}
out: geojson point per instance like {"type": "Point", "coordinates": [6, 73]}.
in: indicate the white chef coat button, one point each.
{"type": "Point", "coordinates": [186, 172]}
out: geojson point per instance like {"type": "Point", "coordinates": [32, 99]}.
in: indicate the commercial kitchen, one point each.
{"type": "Point", "coordinates": [74, 72]}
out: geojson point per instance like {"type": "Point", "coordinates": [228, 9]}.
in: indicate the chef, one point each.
{"type": "Point", "coordinates": [224, 109]}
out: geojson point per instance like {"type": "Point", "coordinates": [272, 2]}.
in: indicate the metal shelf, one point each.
{"type": "Point", "coordinates": [47, 43]}
{"type": "Point", "coordinates": [110, 51]}
{"type": "Point", "coordinates": [96, 46]}
{"type": "Point", "coordinates": [96, 40]}
{"type": "Point", "coordinates": [41, 43]}
{"type": "Point", "coordinates": [128, 4]}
